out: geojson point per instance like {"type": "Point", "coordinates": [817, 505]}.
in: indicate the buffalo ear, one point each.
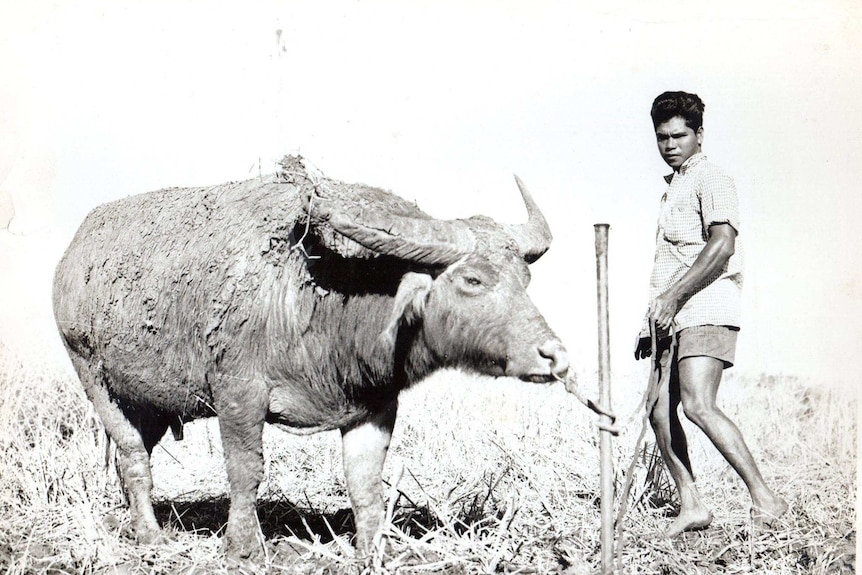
{"type": "Point", "coordinates": [409, 304]}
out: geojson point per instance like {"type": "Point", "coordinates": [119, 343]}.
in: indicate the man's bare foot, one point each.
{"type": "Point", "coordinates": [689, 520]}
{"type": "Point", "coordinates": [765, 515]}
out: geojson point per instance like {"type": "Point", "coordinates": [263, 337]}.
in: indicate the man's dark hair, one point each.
{"type": "Point", "coordinates": [672, 104]}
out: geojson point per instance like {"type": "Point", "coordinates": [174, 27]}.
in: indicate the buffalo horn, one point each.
{"type": "Point", "coordinates": [423, 241]}
{"type": "Point", "coordinates": [534, 237]}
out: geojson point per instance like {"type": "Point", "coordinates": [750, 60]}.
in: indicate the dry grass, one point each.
{"type": "Point", "coordinates": [486, 476]}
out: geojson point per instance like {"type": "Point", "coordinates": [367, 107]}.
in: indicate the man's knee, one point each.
{"type": "Point", "coordinates": [700, 409]}
{"type": "Point", "coordinates": [699, 380]}
{"type": "Point", "coordinates": [659, 416]}
{"type": "Point", "coordinates": [698, 412]}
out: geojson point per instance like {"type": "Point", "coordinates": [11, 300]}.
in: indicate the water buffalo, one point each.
{"type": "Point", "coordinates": [291, 299]}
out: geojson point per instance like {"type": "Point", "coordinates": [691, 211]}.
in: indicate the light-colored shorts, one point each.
{"type": "Point", "coordinates": [718, 341]}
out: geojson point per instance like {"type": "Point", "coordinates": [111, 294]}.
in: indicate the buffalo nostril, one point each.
{"type": "Point", "coordinates": [554, 351]}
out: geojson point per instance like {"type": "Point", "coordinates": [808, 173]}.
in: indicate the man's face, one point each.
{"type": "Point", "coordinates": [677, 142]}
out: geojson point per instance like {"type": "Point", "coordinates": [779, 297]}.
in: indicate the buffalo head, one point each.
{"type": "Point", "coordinates": [467, 306]}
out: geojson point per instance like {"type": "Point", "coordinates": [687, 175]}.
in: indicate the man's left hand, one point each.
{"type": "Point", "coordinates": [664, 309]}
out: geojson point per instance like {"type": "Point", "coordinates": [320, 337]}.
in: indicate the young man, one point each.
{"type": "Point", "coordinates": [695, 307]}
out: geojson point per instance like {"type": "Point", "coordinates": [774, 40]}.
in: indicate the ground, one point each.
{"type": "Point", "coordinates": [483, 476]}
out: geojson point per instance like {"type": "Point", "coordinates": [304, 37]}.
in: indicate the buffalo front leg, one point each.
{"type": "Point", "coordinates": [241, 408]}
{"type": "Point", "coordinates": [364, 449]}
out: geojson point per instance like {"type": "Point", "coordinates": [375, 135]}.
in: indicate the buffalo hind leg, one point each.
{"type": "Point", "coordinates": [241, 412]}
{"type": "Point", "coordinates": [150, 424]}
{"type": "Point", "coordinates": [364, 448]}
{"type": "Point", "coordinates": [133, 455]}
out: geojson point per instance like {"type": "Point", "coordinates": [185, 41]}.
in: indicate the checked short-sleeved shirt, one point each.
{"type": "Point", "coordinates": [699, 195]}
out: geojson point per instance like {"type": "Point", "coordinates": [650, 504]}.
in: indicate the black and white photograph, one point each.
{"type": "Point", "coordinates": [375, 287]}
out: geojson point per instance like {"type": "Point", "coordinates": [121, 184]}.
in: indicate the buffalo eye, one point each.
{"type": "Point", "coordinates": [471, 284]}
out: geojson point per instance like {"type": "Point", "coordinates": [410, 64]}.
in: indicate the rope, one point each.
{"type": "Point", "coordinates": [648, 402]}
{"type": "Point", "coordinates": [571, 385]}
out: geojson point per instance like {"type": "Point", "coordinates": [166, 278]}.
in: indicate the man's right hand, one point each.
{"type": "Point", "coordinates": [643, 348]}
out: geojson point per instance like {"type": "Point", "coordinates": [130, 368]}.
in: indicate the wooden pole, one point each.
{"type": "Point", "coordinates": [606, 457]}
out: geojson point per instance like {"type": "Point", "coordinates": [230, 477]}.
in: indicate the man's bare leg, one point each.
{"type": "Point", "coordinates": [672, 443]}
{"type": "Point", "coordinates": [699, 378]}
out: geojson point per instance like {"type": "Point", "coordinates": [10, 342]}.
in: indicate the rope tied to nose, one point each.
{"type": "Point", "coordinates": [571, 384]}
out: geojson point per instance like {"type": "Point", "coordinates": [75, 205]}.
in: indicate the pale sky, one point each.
{"type": "Point", "coordinates": [442, 102]}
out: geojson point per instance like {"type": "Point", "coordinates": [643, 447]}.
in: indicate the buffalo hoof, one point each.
{"type": "Point", "coordinates": [148, 536]}
{"type": "Point", "coordinates": [250, 564]}
{"type": "Point", "coordinates": [245, 554]}
{"type": "Point", "coordinates": [245, 566]}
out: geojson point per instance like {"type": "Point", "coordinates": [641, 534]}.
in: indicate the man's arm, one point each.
{"type": "Point", "coordinates": [715, 254]}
